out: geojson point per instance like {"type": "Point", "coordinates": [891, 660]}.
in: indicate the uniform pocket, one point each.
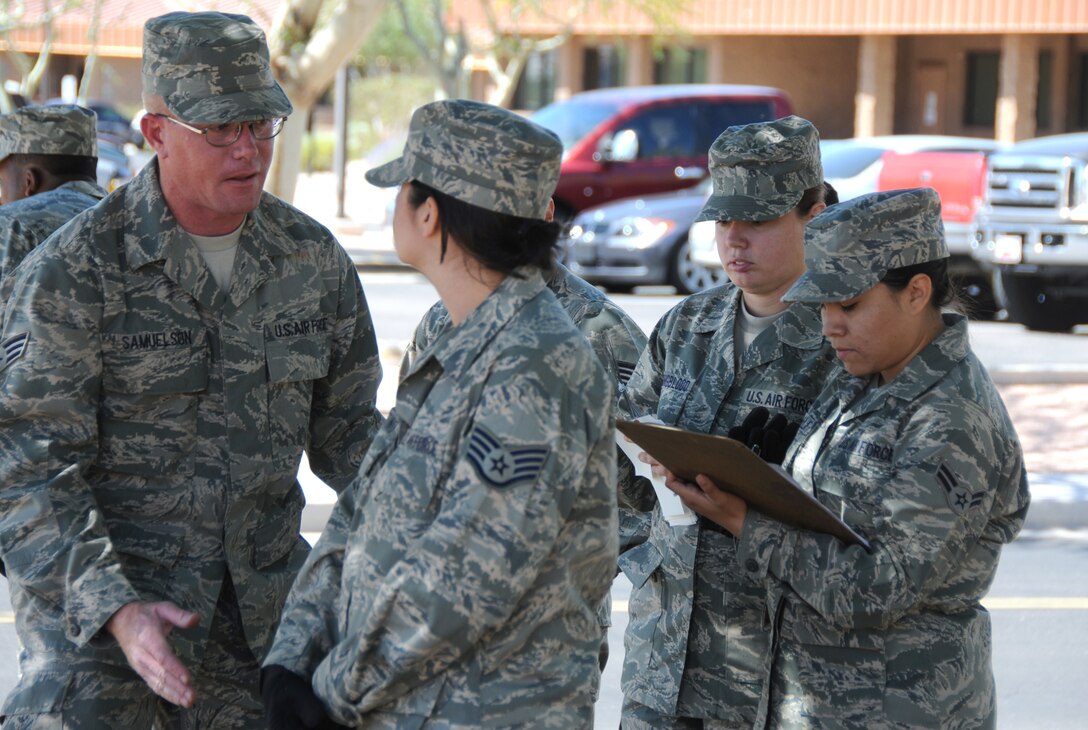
{"type": "Point", "coordinates": [411, 711]}
{"type": "Point", "coordinates": [639, 563]}
{"type": "Point", "coordinates": [841, 686]}
{"type": "Point", "coordinates": [37, 693]}
{"type": "Point", "coordinates": [293, 365]}
{"type": "Point", "coordinates": [277, 535]}
{"type": "Point", "coordinates": [148, 414]}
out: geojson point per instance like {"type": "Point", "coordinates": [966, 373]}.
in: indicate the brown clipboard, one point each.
{"type": "Point", "coordinates": [739, 470]}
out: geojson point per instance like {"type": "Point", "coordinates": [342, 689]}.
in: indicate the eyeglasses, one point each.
{"type": "Point", "coordinates": [224, 135]}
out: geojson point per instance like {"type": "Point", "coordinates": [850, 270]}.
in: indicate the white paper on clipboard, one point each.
{"type": "Point", "coordinates": [674, 511]}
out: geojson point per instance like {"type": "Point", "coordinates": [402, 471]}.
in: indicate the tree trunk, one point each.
{"type": "Point", "coordinates": [287, 155]}
{"type": "Point", "coordinates": [327, 41]}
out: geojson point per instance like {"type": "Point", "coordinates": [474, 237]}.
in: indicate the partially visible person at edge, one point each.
{"type": "Point", "coordinates": [169, 354]}
{"type": "Point", "coordinates": [457, 582]}
{"type": "Point", "coordinates": [48, 158]}
{"type": "Point", "coordinates": [697, 641]}
{"type": "Point", "coordinates": [911, 446]}
{"type": "Point", "coordinates": [616, 339]}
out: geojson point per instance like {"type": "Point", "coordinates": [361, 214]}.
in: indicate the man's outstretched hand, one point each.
{"type": "Point", "coordinates": [141, 630]}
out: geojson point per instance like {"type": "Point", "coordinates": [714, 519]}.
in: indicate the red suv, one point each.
{"type": "Point", "coordinates": [628, 141]}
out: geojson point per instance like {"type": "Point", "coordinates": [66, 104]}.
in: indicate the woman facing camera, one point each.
{"type": "Point", "coordinates": [912, 447]}
{"type": "Point", "coordinates": [697, 643]}
{"type": "Point", "coordinates": [457, 582]}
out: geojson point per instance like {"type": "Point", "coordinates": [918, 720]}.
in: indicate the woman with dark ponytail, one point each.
{"type": "Point", "coordinates": [458, 580]}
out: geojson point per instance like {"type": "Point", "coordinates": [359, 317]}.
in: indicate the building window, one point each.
{"type": "Point", "coordinates": [677, 65]}
{"type": "Point", "coordinates": [1082, 91]}
{"type": "Point", "coordinates": [981, 103]}
{"type": "Point", "coordinates": [536, 87]}
{"type": "Point", "coordinates": [603, 67]}
{"type": "Point", "coordinates": [1043, 94]}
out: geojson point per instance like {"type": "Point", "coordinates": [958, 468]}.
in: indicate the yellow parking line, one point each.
{"type": "Point", "coordinates": [994, 603]}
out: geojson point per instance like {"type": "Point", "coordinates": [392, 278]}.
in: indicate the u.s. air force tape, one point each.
{"type": "Point", "coordinates": [499, 466]}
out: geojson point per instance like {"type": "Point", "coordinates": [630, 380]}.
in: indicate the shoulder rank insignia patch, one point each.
{"type": "Point", "coordinates": [959, 497]}
{"type": "Point", "coordinates": [499, 466]}
{"type": "Point", "coordinates": [12, 349]}
{"type": "Point", "coordinates": [624, 371]}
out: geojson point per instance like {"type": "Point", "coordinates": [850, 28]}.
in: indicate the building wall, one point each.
{"type": "Point", "coordinates": [801, 66]}
{"type": "Point", "coordinates": [949, 52]}
{"type": "Point", "coordinates": [952, 53]}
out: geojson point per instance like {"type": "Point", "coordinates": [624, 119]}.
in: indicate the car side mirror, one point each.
{"type": "Point", "coordinates": [620, 147]}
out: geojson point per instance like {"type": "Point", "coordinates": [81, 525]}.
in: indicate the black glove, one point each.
{"type": "Point", "coordinates": [290, 702]}
{"type": "Point", "coordinates": [753, 422]}
{"type": "Point", "coordinates": [768, 438]}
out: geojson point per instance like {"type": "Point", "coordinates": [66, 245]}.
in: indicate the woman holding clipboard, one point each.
{"type": "Point", "coordinates": [912, 447]}
{"type": "Point", "coordinates": [697, 642]}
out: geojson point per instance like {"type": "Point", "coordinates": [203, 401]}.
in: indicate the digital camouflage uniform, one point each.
{"type": "Point", "coordinates": [697, 644]}
{"type": "Point", "coordinates": [929, 469]}
{"type": "Point", "coordinates": [151, 427]}
{"type": "Point", "coordinates": [616, 340]}
{"type": "Point", "coordinates": [457, 581]}
{"type": "Point", "coordinates": [62, 129]}
{"type": "Point", "coordinates": [27, 222]}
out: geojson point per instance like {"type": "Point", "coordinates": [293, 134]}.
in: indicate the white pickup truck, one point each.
{"type": "Point", "coordinates": [1032, 231]}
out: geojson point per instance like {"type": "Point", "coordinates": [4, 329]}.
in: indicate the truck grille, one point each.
{"type": "Point", "coordinates": [1035, 186]}
{"type": "Point", "coordinates": [1039, 183]}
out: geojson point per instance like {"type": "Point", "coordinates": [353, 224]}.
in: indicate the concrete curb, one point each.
{"type": "Point", "coordinates": [1039, 374]}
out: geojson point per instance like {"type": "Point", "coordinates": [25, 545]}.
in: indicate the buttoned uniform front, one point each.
{"type": "Point", "coordinates": [615, 338]}
{"type": "Point", "coordinates": [152, 426]}
{"type": "Point", "coordinates": [929, 469]}
{"type": "Point", "coordinates": [26, 223]}
{"type": "Point", "coordinates": [697, 644]}
{"type": "Point", "coordinates": [446, 591]}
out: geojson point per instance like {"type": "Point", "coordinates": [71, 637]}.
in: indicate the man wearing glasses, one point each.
{"type": "Point", "coordinates": [164, 361]}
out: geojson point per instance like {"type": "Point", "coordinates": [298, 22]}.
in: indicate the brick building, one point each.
{"type": "Point", "coordinates": [1010, 69]}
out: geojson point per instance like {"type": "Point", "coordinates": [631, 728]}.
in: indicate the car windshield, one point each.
{"type": "Point", "coordinates": [575, 118]}
{"type": "Point", "coordinates": [847, 160]}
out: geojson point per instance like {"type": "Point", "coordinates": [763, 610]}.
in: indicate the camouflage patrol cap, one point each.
{"type": "Point", "coordinates": [211, 68]}
{"type": "Point", "coordinates": [62, 129]}
{"type": "Point", "coordinates": [851, 246]}
{"type": "Point", "coordinates": [480, 154]}
{"type": "Point", "coordinates": [760, 171]}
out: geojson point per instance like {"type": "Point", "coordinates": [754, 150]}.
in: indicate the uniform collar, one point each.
{"type": "Point", "coordinates": [84, 187]}
{"type": "Point", "coordinates": [159, 238]}
{"type": "Point", "coordinates": [458, 347]}
{"type": "Point", "coordinates": [924, 370]}
{"type": "Point", "coordinates": [799, 327]}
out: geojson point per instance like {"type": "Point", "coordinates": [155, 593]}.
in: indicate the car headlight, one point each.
{"type": "Point", "coordinates": [638, 232]}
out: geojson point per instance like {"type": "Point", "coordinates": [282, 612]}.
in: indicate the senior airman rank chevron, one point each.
{"type": "Point", "coordinates": [13, 348]}
{"type": "Point", "coordinates": [499, 466]}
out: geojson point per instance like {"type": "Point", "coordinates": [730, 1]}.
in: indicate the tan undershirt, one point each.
{"type": "Point", "coordinates": [746, 328]}
{"type": "Point", "coordinates": [218, 253]}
